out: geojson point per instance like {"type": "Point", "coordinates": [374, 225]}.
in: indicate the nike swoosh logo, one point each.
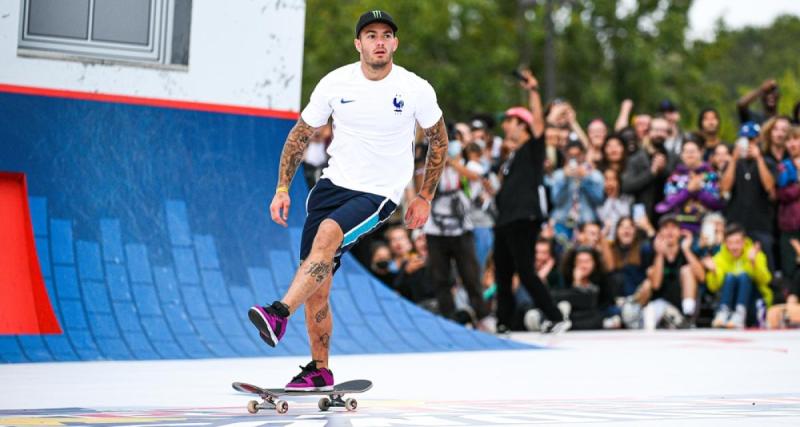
{"type": "Point", "coordinates": [346, 101]}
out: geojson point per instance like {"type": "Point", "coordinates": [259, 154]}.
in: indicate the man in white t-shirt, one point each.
{"type": "Point", "coordinates": [375, 106]}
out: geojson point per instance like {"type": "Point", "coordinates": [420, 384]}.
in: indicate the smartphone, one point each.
{"type": "Point", "coordinates": [638, 212]}
{"type": "Point", "coordinates": [743, 144]}
{"type": "Point", "coordinates": [709, 232]}
{"type": "Point", "coordinates": [516, 73]}
{"type": "Point", "coordinates": [572, 164]}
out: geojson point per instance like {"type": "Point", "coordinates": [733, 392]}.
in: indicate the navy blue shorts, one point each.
{"type": "Point", "coordinates": [356, 212]}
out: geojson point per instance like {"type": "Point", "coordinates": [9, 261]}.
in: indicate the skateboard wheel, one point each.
{"type": "Point", "coordinates": [351, 404]}
{"type": "Point", "coordinates": [324, 404]}
{"type": "Point", "coordinates": [281, 406]}
{"type": "Point", "coordinates": [252, 407]}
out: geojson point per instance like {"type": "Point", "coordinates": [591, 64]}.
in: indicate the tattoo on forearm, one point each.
{"type": "Point", "coordinates": [437, 150]}
{"type": "Point", "coordinates": [322, 314]}
{"type": "Point", "coordinates": [318, 270]}
{"type": "Point", "coordinates": [325, 340]}
{"type": "Point", "coordinates": [292, 153]}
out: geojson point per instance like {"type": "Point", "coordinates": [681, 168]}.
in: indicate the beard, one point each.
{"type": "Point", "coordinates": [658, 141]}
{"type": "Point", "coordinates": [377, 64]}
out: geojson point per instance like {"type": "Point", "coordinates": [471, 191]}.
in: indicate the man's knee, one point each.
{"type": "Point", "coordinates": [329, 236]}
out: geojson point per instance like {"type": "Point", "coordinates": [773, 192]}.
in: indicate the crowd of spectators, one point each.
{"type": "Point", "coordinates": [641, 224]}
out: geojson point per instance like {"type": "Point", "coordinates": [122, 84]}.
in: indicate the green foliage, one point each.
{"type": "Point", "coordinates": [467, 48]}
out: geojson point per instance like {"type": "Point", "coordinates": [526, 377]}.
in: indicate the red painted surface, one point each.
{"type": "Point", "coordinates": [24, 304]}
{"type": "Point", "coordinates": [153, 102]}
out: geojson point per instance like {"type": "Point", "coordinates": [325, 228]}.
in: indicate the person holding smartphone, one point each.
{"type": "Point", "coordinates": [748, 184]}
{"type": "Point", "coordinates": [577, 192]}
{"type": "Point", "coordinates": [520, 214]}
{"type": "Point", "coordinates": [692, 190]}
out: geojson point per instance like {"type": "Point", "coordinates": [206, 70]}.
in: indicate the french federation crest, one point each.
{"type": "Point", "coordinates": [398, 104]}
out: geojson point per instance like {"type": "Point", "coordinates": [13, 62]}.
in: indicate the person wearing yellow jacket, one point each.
{"type": "Point", "coordinates": [739, 270]}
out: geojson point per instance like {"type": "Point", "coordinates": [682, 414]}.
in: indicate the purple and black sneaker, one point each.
{"type": "Point", "coordinates": [311, 379]}
{"type": "Point", "coordinates": [270, 321]}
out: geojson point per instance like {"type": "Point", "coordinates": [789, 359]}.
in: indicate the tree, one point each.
{"type": "Point", "coordinates": [605, 50]}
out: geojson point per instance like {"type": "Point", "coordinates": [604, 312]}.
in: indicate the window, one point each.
{"type": "Point", "coordinates": [141, 31]}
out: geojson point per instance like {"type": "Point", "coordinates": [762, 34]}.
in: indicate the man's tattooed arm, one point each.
{"type": "Point", "coordinates": [437, 156]}
{"type": "Point", "coordinates": [293, 149]}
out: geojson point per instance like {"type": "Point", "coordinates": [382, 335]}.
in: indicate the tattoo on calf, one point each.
{"type": "Point", "coordinates": [318, 270]}
{"type": "Point", "coordinates": [325, 340]}
{"type": "Point", "coordinates": [322, 314]}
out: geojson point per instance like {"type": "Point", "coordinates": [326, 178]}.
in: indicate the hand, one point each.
{"type": "Point", "coordinates": [658, 164]}
{"type": "Point", "coordinates": [557, 114]}
{"type": "Point", "coordinates": [708, 263]}
{"type": "Point", "coordinates": [751, 254]}
{"type": "Point", "coordinates": [688, 239]}
{"type": "Point", "coordinates": [753, 152]}
{"type": "Point", "coordinates": [454, 161]}
{"type": "Point", "coordinates": [660, 245]}
{"type": "Point", "coordinates": [414, 263]}
{"type": "Point", "coordinates": [572, 117]}
{"type": "Point", "coordinates": [546, 269]}
{"type": "Point", "coordinates": [581, 171]}
{"type": "Point", "coordinates": [417, 213]}
{"type": "Point", "coordinates": [796, 246]}
{"type": "Point", "coordinates": [627, 105]}
{"type": "Point", "coordinates": [530, 82]}
{"type": "Point", "coordinates": [695, 182]}
{"type": "Point", "coordinates": [570, 171]}
{"type": "Point", "coordinates": [703, 241]}
{"type": "Point", "coordinates": [279, 208]}
{"type": "Point", "coordinates": [768, 85]}
{"type": "Point", "coordinates": [643, 223]}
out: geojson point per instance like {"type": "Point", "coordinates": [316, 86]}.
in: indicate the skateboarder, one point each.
{"type": "Point", "coordinates": [375, 105]}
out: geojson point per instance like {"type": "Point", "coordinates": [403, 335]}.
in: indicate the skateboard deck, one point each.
{"type": "Point", "coordinates": [332, 398]}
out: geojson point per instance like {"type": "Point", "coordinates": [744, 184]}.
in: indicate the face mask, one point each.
{"type": "Point", "coordinates": [381, 265]}
{"type": "Point", "coordinates": [454, 148]}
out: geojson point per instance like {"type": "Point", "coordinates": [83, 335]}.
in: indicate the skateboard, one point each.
{"type": "Point", "coordinates": [271, 397]}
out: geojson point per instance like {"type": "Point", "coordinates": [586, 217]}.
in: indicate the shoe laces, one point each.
{"type": "Point", "coordinates": [305, 370]}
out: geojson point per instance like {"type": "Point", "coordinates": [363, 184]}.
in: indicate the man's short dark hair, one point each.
{"type": "Point", "coordinates": [693, 138]}
{"type": "Point", "coordinates": [582, 226]}
{"type": "Point", "coordinates": [734, 228]}
{"type": "Point", "coordinates": [703, 113]}
{"type": "Point", "coordinates": [551, 245]}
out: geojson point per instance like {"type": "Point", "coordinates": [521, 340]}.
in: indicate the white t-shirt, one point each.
{"type": "Point", "coordinates": [374, 123]}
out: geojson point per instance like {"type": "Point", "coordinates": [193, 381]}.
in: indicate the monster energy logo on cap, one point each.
{"type": "Point", "coordinates": [375, 16]}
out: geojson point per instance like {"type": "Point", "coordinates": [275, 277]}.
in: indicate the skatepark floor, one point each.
{"type": "Point", "coordinates": [663, 378]}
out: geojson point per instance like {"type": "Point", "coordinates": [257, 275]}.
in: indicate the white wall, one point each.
{"type": "Point", "coordinates": [243, 53]}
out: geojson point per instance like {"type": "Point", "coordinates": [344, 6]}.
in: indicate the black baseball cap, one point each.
{"type": "Point", "coordinates": [375, 16]}
{"type": "Point", "coordinates": [667, 106]}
